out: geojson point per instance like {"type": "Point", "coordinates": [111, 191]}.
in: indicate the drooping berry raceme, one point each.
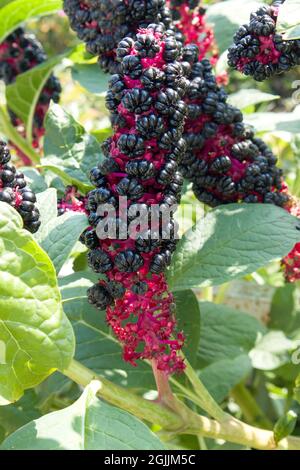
{"type": "Point", "coordinates": [72, 201]}
{"type": "Point", "coordinates": [141, 164]}
{"type": "Point", "coordinates": [258, 50]}
{"type": "Point", "coordinates": [102, 24]}
{"type": "Point", "coordinates": [19, 53]}
{"type": "Point", "coordinates": [15, 192]}
{"type": "Point", "coordinates": [224, 160]}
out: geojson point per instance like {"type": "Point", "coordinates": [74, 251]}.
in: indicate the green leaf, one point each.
{"type": "Point", "coordinates": [272, 351]}
{"type": "Point", "coordinates": [226, 333]}
{"type": "Point", "coordinates": [13, 416]}
{"type": "Point", "coordinates": [96, 347]}
{"type": "Point", "coordinates": [47, 205]}
{"type": "Point", "coordinates": [61, 235]}
{"type": "Point", "coordinates": [288, 21]}
{"type": "Point", "coordinates": [188, 319]}
{"type": "Point", "coordinates": [285, 426]}
{"type": "Point", "coordinates": [91, 78]}
{"type": "Point", "coordinates": [230, 242]}
{"type": "Point", "coordinates": [283, 314]}
{"type": "Point", "coordinates": [244, 98]}
{"type": "Point", "coordinates": [227, 17]}
{"type": "Point", "coordinates": [15, 13]}
{"type": "Point", "coordinates": [22, 96]}
{"type": "Point", "coordinates": [275, 122]}
{"type": "Point", "coordinates": [88, 424]}
{"type": "Point", "coordinates": [222, 376]}
{"type": "Point", "coordinates": [31, 316]}
{"type": "Point", "coordinates": [34, 179]}
{"type": "Point", "coordinates": [70, 151]}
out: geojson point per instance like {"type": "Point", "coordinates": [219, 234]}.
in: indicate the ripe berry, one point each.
{"type": "Point", "coordinates": [128, 261]}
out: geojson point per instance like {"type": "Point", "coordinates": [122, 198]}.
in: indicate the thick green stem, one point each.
{"type": "Point", "coordinates": [125, 399]}
{"type": "Point", "coordinates": [250, 409]}
{"type": "Point", "coordinates": [231, 429]}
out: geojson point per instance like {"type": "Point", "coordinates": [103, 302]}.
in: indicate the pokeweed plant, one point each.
{"type": "Point", "coordinates": [112, 291]}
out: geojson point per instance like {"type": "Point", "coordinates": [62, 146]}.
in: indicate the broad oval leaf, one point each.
{"type": "Point", "coordinates": [288, 21]}
{"type": "Point", "coordinates": [70, 152]}
{"type": "Point", "coordinates": [15, 13]}
{"type": "Point", "coordinates": [22, 96]}
{"type": "Point", "coordinates": [226, 333]}
{"type": "Point", "coordinates": [88, 424]}
{"type": "Point", "coordinates": [232, 241]}
{"type": "Point", "coordinates": [59, 236]}
{"type": "Point", "coordinates": [91, 78]}
{"type": "Point", "coordinates": [188, 320]}
{"type": "Point", "coordinates": [35, 336]}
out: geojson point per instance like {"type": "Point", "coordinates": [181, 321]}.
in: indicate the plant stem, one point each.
{"type": "Point", "coordinates": [124, 398]}
{"type": "Point", "coordinates": [208, 402]}
{"type": "Point", "coordinates": [12, 134]}
{"type": "Point", "coordinates": [250, 409]}
{"type": "Point", "coordinates": [231, 430]}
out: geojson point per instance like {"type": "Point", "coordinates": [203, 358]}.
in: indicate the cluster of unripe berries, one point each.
{"type": "Point", "coordinates": [258, 50]}
{"type": "Point", "coordinates": [19, 53]}
{"type": "Point", "coordinates": [15, 192]}
{"type": "Point", "coordinates": [141, 164]}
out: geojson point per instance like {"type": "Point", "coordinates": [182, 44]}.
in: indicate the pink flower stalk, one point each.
{"type": "Point", "coordinates": [71, 201]}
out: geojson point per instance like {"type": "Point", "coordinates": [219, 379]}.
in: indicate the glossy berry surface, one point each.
{"type": "Point", "coordinates": [15, 192]}
{"type": "Point", "coordinates": [258, 50]}
{"type": "Point", "coordinates": [143, 154]}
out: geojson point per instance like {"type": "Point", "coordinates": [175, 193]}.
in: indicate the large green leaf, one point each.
{"type": "Point", "coordinates": [13, 416]}
{"type": "Point", "coordinates": [226, 17]}
{"type": "Point", "coordinates": [284, 315]}
{"type": "Point", "coordinates": [230, 242]}
{"type": "Point", "coordinates": [248, 97]}
{"type": "Point", "coordinates": [15, 13]}
{"type": "Point", "coordinates": [22, 96]}
{"type": "Point", "coordinates": [70, 151]}
{"type": "Point", "coordinates": [288, 21]}
{"type": "Point", "coordinates": [34, 179]}
{"type": "Point", "coordinates": [220, 377]}
{"type": "Point", "coordinates": [226, 333]}
{"type": "Point", "coordinates": [35, 336]}
{"type": "Point", "coordinates": [272, 351]}
{"type": "Point", "coordinates": [188, 319]}
{"type": "Point", "coordinates": [91, 78]}
{"type": "Point", "coordinates": [59, 236]}
{"type": "Point", "coordinates": [274, 122]}
{"type": "Point", "coordinates": [88, 424]}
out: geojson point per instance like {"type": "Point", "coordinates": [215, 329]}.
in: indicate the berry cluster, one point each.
{"type": "Point", "coordinates": [19, 53]}
{"type": "Point", "coordinates": [14, 191]}
{"type": "Point", "coordinates": [189, 18]}
{"type": "Point", "coordinates": [141, 164]}
{"type": "Point", "coordinates": [102, 24]}
{"type": "Point", "coordinates": [258, 50]}
{"type": "Point", "coordinates": [224, 159]}
{"type": "Point", "coordinates": [72, 201]}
